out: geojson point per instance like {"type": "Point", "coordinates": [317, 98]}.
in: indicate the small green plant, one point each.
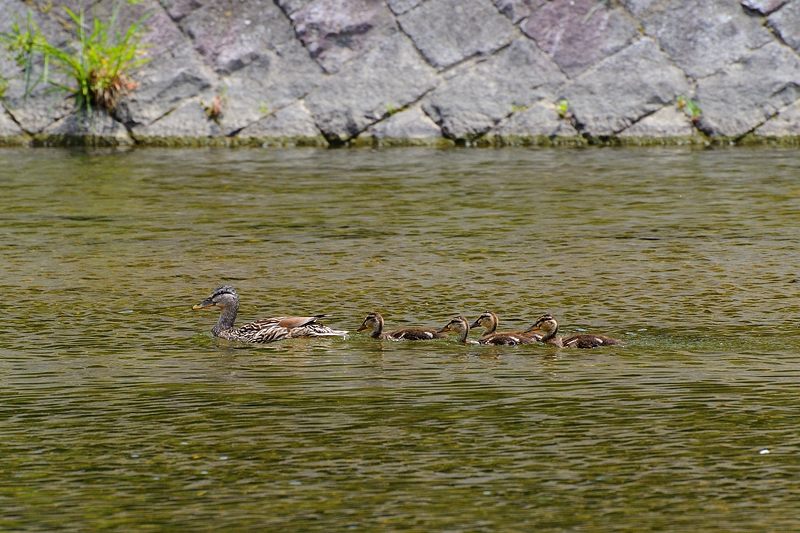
{"type": "Point", "coordinates": [392, 110]}
{"type": "Point", "coordinates": [96, 69]}
{"type": "Point", "coordinates": [689, 107]}
{"type": "Point", "coordinates": [3, 87]}
{"type": "Point", "coordinates": [263, 108]}
{"type": "Point", "coordinates": [562, 108]}
{"type": "Point", "coordinates": [518, 108]}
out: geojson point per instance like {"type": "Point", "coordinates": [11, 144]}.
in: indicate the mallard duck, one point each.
{"type": "Point", "coordinates": [265, 330]}
{"type": "Point", "coordinates": [458, 325]}
{"type": "Point", "coordinates": [374, 320]}
{"type": "Point", "coordinates": [490, 335]}
{"type": "Point", "coordinates": [549, 328]}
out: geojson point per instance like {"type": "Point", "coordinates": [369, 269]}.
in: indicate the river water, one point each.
{"type": "Point", "coordinates": [119, 410]}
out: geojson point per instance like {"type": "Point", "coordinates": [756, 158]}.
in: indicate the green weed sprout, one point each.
{"type": "Point", "coordinates": [689, 107]}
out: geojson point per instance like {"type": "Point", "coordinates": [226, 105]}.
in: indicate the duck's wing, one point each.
{"type": "Point", "coordinates": [291, 322]}
{"type": "Point", "coordinates": [506, 339]}
{"type": "Point", "coordinates": [587, 340]}
{"type": "Point", "coordinates": [414, 334]}
{"type": "Point", "coordinates": [265, 330]}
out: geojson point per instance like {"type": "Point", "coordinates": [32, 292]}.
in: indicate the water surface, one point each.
{"type": "Point", "coordinates": [120, 411]}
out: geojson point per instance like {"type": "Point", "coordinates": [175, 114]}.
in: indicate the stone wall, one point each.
{"type": "Point", "coordinates": [495, 72]}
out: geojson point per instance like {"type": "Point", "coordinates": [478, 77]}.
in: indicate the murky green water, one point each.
{"type": "Point", "coordinates": [120, 411]}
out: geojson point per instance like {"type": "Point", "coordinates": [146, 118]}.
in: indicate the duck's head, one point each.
{"type": "Point", "coordinates": [458, 324]}
{"type": "Point", "coordinates": [225, 298]}
{"type": "Point", "coordinates": [373, 320]}
{"type": "Point", "coordinates": [487, 320]}
{"type": "Point", "coordinates": [545, 324]}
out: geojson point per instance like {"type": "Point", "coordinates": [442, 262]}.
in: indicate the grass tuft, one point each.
{"type": "Point", "coordinates": [96, 68]}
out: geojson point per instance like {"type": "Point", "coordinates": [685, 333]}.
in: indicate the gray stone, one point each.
{"type": "Point", "coordinates": [787, 123]}
{"type": "Point", "coordinates": [187, 120]}
{"type": "Point", "coordinates": [666, 122]}
{"type": "Point", "coordinates": [410, 123]}
{"type": "Point", "coordinates": [401, 6]}
{"type": "Point", "coordinates": [272, 83]}
{"type": "Point", "coordinates": [765, 7]}
{"type": "Point", "coordinates": [8, 128]}
{"type": "Point", "coordinates": [786, 23]}
{"type": "Point", "coordinates": [231, 34]}
{"type": "Point", "coordinates": [174, 73]}
{"type": "Point", "coordinates": [735, 101]}
{"type": "Point", "coordinates": [290, 6]}
{"type": "Point", "coordinates": [179, 9]}
{"type": "Point", "coordinates": [624, 88]}
{"type": "Point", "coordinates": [368, 89]}
{"type": "Point", "coordinates": [473, 27]}
{"type": "Point", "coordinates": [538, 120]}
{"type": "Point", "coordinates": [293, 121]}
{"type": "Point", "coordinates": [336, 31]}
{"type": "Point", "coordinates": [639, 7]}
{"type": "Point", "coordinates": [472, 103]}
{"type": "Point", "coordinates": [579, 33]}
{"type": "Point", "coordinates": [517, 10]}
{"type": "Point", "coordinates": [97, 127]}
{"type": "Point", "coordinates": [702, 37]}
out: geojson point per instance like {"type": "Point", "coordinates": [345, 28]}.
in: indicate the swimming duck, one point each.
{"type": "Point", "coordinates": [265, 330]}
{"type": "Point", "coordinates": [458, 325]}
{"type": "Point", "coordinates": [374, 320]}
{"type": "Point", "coordinates": [549, 327]}
{"type": "Point", "coordinates": [489, 322]}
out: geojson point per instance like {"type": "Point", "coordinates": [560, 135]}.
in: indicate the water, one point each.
{"type": "Point", "coordinates": [120, 411]}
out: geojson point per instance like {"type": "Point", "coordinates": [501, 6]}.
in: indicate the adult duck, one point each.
{"type": "Point", "coordinates": [265, 330]}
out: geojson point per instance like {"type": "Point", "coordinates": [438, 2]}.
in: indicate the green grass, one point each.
{"type": "Point", "coordinates": [95, 69]}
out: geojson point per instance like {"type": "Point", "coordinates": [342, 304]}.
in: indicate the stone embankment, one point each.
{"type": "Point", "coordinates": [438, 72]}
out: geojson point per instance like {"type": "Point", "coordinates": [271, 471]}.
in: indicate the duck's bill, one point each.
{"type": "Point", "coordinates": [205, 304]}
{"type": "Point", "coordinates": [475, 324]}
{"type": "Point", "coordinates": [362, 327]}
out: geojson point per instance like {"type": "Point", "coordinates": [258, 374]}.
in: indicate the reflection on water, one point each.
{"type": "Point", "coordinates": [119, 410]}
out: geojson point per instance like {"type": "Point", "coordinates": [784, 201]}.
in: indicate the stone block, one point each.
{"type": "Point", "coordinates": [174, 72]}
{"type": "Point", "coordinates": [187, 120]}
{"type": "Point", "coordinates": [538, 120]}
{"type": "Point", "coordinates": [450, 31]}
{"type": "Point", "coordinates": [474, 101]}
{"type": "Point", "coordinates": [230, 34]}
{"type": "Point", "coordinates": [8, 128]}
{"type": "Point", "coordinates": [639, 7]}
{"type": "Point", "coordinates": [517, 10]}
{"type": "Point", "coordinates": [294, 121]}
{"type": "Point", "coordinates": [703, 37]}
{"type": "Point", "coordinates": [786, 123]}
{"type": "Point", "coordinates": [666, 122]}
{"type": "Point", "coordinates": [744, 95]}
{"type": "Point", "coordinates": [579, 33]}
{"type": "Point", "coordinates": [399, 7]}
{"type": "Point", "coordinates": [786, 23]}
{"type": "Point", "coordinates": [390, 76]}
{"type": "Point", "coordinates": [290, 6]}
{"type": "Point", "coordinates": [96, 126]}
{"type": "Point", "coordinates": [765, 7]}
{"type": "Point", "coordinates": [336, 31]}
{"type": "Point", "coordinates": [410, 123]}
{"type": "Point", "coordinates": [627, 86]}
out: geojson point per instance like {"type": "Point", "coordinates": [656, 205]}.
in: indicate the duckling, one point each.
{"type": "Point", "coordinates": [265, 330]}
{"type": "Point", "coordinates": [490, 335]}
{"type": "Point", "coordinates": [549, 327]}
{"type": "Point", "coordinates": [459, 325]}
{"type": "Point", "coordinates": [374, 320]}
